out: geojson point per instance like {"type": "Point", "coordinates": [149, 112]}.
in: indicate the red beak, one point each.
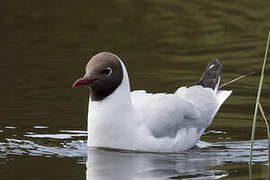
{"type": "Point", "coordinates": [82, 81]}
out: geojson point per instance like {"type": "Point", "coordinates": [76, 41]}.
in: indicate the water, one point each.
{"type": "Point", "coordinates": [45, 46]}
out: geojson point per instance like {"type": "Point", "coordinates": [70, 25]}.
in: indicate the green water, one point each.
{"type": "Point", "coordinates": [165, 44]}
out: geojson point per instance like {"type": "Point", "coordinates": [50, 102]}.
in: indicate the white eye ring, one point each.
{"type": "Point", "coordinates": [107, 71]}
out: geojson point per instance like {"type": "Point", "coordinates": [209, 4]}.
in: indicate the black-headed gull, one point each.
{"type": "Point", "coordinates": [137, 120]}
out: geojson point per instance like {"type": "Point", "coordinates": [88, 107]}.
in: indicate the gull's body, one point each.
{"type": "Point", "coordinates": [149, 122]}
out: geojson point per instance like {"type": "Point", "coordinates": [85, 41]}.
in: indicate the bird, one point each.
{"type": "Point", "coordinates": [119, 118]}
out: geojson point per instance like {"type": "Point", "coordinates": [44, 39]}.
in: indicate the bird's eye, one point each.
{"type": "Point", "coordinates": [107, 71]}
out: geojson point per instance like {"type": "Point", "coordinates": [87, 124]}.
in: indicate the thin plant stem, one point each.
{"type": "Point", "coordinates": [250, 173]}
{"type": "Point", "coordinates": [257, 101]}
{"type": "Point", "coordinates": [268, 130]}
{"type": "Point", "coordinates": [235, 79]}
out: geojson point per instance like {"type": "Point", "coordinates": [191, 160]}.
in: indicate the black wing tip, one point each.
{"type": "Point", "coordinates": [211, 74]}
{"type": "Point", "coordinates": [214, 61]}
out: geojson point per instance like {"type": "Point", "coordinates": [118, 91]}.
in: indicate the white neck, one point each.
{"type": "Point", "coordinates": [107, 118]}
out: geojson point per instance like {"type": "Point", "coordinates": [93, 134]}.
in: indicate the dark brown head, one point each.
{"type": "Point", "coordinates": [103, 75]}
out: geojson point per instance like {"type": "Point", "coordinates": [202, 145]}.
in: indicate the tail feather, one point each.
{"type": "Point", "coordinates": [210, 77]}
{"type": "Point", "coordinates": [222, 95]}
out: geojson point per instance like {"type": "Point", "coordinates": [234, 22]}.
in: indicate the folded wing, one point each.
{"type": "Point", "coordinates": [165, 114]}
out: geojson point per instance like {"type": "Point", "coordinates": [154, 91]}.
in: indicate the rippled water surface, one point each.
{"type": "Point", "coordinates": [165, 44]}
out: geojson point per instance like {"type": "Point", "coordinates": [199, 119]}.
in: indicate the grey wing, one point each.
{"type": "Point", "coordinates": [165, 114]}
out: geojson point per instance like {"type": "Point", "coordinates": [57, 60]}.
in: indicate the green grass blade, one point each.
{"type": "Point", "coordinates": [257, 101]}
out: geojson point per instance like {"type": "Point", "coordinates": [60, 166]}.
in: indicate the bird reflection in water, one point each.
{"type": "Point", "coordinates": [103, 164]}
